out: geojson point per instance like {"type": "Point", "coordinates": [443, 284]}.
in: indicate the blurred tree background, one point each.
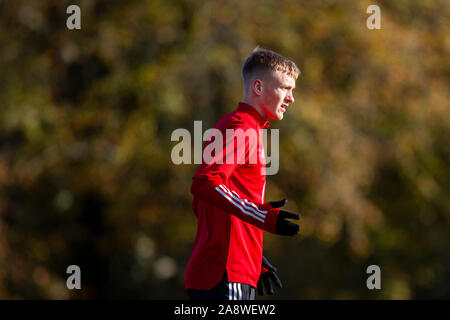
{"type": "Point", "coordinates": [86, 117]}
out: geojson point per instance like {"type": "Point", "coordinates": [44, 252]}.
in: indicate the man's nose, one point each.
{"type": "Point", "coordinates": [290, 98]}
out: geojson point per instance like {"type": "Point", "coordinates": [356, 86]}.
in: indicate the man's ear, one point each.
{"type": "Point", "coordinates": [257, 87]}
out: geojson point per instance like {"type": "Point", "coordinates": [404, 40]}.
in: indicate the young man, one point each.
{"type": "Point", "coordinates": [228, 196]}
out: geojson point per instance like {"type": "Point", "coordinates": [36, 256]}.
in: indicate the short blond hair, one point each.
{"type": "Point", "coordinates": [263, 59]}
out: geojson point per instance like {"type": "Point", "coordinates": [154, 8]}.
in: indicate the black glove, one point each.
{"type": "Point", "coordinates": [264, 279]}
{"type": "Point", "coordinates": [284, 227]}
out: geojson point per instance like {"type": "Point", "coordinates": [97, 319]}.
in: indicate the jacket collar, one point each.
{"type": "Point", "coordinates": [259, 119]}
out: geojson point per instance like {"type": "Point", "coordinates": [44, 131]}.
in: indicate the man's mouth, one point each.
{"type": "Point", "coordinates": [283, 107]}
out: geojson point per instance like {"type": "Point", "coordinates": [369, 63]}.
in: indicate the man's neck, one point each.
{"type": "Point", "coordinates": [255, 106]}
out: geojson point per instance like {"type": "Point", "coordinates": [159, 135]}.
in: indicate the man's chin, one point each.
{"type": "Point", "coordinates": [276, 116]}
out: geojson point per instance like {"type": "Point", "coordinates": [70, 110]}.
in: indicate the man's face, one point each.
{"type": "Point", "coordinates": [277, 94]}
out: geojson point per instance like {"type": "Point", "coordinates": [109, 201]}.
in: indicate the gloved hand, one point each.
{"type": "Point", "coordinates": [266, 277]}
{"type": "Point", "coordinates": [284, 227]}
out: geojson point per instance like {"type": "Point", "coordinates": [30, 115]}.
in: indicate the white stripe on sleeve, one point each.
{"type": "Point", "coordinates": [263, 212]}
{"type": "Point", "coordinates": [245, 203]}
{"type": "Point", "coordinates": [239, 206]}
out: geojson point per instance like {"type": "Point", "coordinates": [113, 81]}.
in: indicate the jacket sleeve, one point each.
{"type": "Point", "coordinates": [263, 269]}
{"type": "Point", "coordinates": [209, 184]}
{"type": "Point", "coordinates": [262, 216]}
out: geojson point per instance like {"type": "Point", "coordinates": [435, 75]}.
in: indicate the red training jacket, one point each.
{"type": "Point", "coordinates": [228, 200]}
